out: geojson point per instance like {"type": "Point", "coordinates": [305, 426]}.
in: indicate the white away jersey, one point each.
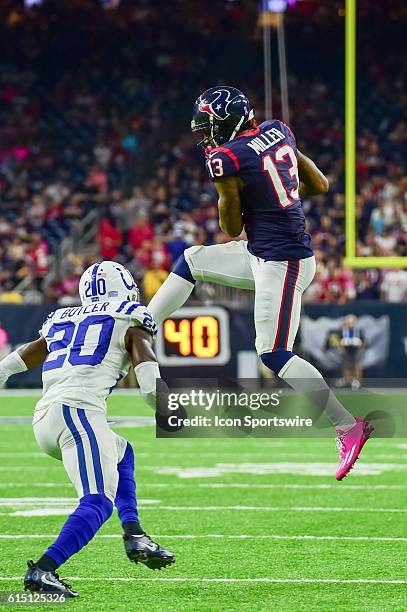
{"type": "Point", "coordinates": [87, 355]}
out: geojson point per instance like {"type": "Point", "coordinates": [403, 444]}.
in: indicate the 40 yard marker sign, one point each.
{"type": "Point", "coordinates": [194, 336]}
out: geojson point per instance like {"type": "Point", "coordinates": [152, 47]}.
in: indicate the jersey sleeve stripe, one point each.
{"type": "Point", "coordinates": [229, 154]}
{"type": "Point", "coordinates": [66, 411]}
{"type": "Point", "coordinates": [97, 466]}
{"type": "Point", "coordinates": [122, 305]}
{"type": "Point", "coordinates": [132, 307]}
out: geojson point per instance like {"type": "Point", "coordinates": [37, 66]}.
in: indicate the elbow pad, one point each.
{"type": "Point", "coordinates": [12, 364]}
{"type": "Point", "coordinates": [147, 374]}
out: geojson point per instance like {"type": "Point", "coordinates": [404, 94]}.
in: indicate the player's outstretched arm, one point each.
{"type": "Point", "coordinates": [28, 356]}
{"type": "Point", "coordinates": [230, 213]}
{"type": "Point", "coordinates": [312, 180]}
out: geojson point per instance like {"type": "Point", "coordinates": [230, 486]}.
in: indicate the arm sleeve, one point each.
{"type": "Point", "coordinates": [222, 162]}
{"type": "Point", "coordinates": [147, 374]}
{"type": "Point", "coordinates": [12, 364]}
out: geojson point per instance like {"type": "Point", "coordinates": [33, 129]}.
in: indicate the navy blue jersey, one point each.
{"type": "Point", "coordinates": [266, 160]}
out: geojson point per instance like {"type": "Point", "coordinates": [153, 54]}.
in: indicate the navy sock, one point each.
{"type": "Point", "coordinates": [276, 360]}
{"type": "Point", "coordinates": [125, 501]}
{"type": "Point", "coordinates": [79, 529]}
{"type": "Point", "coordinates": [182, 269]}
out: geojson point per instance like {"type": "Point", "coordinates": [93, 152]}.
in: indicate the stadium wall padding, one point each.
{"type": "Point", "coordinates": [22, 323]}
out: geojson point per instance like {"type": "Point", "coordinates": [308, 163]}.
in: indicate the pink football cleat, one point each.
{"type": "Point", "coordinates": [350, 444]}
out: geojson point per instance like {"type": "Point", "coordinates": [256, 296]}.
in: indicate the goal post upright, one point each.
{"type": "Point", "coordinates": [352, 260]}
{"type": "Point", "coordinates": [350, 130]}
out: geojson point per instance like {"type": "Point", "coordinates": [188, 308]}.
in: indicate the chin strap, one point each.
{"type": "Point", "coordinates": [237, 128]}
{"type": "Point", "coordinates": [212, 134]}
{"type": "Point", "coordinates": [241, 121]}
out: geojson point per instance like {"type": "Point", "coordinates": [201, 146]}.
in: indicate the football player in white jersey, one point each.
{"type": "Point", "coordinates": [85, 350]}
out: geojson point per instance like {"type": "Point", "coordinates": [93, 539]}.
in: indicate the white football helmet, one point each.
{"type": "Point", "coordinates": [107, 281]}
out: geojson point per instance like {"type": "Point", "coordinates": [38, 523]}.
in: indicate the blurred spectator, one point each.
{"type": "Point", "coordinates": [136, 206]}
{"type": "Point", "coordinates": [152, 281]}
{"type": "Point", "coordinates": [160, 257]}
{"type": "Point", "coordinates": [367, 284]}
{"type": "Point", "coordinates": [139, 232]}
{"type": "Point", "coordinates": [394, 286]}
{"type": "Point", "coordinates": [37, 253]}
{"type": "Point", "coordinates": [109, 237]}
{"type": "Point", "coordinates": [97, 180]}
{"type": "Point", "coordinates": [109, 131]}
{"type": "Point", "coordinates": [68, 290]}
{"type": "Point", "coordinates": [176, 245]}
{"type": "Point", "coordinates": [351, 346]}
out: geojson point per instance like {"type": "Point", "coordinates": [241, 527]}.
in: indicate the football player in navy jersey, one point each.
{"type": "Point", "coordinates": [260, 177]}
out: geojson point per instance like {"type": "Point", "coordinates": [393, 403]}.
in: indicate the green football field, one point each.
{"type": "Point", "coordinates": [256, 524]}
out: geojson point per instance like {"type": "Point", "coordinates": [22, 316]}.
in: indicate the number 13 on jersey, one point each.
{"type": "Point", "coordinates": [285, 161]}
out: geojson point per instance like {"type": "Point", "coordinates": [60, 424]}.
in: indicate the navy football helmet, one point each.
{"type": "Point", "coordinates": [220, 112]}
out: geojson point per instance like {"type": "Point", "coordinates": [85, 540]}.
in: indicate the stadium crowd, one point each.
{"type": "Point", "coordinates": [94, 115]}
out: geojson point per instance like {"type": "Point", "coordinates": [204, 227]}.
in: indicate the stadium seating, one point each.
{"type": "Point", "coordinates": [115, 143]}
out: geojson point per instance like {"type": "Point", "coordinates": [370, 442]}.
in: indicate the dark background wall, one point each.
{"type": "Point", "coordinates": [23, 322]}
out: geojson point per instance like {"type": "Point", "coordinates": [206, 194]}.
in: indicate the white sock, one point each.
{"type": "Point", "coordinates": [172, 294]}
{"type": "Point", "coordinates": [305, 379]}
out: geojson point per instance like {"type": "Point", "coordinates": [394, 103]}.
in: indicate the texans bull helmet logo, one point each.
{"type": "Point", "coordinates": [220, 112]}
{"type": "Point", "coordinates": [216, 104]}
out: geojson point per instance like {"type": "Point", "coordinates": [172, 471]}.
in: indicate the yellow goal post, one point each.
{"type": "Point", "coordinates": [351, 259]}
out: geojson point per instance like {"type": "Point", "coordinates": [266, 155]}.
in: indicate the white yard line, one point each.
{"type": "Point", "coordinates": [39, 485]}
{"type": "Point", "coordinates": [248, 485]}
{"type": "Point", "coordinates": [337, 486]}
{"type": "Point", "coordinates": [261, 453]}
{"type": "Point", "coordinates": [22, 454]}
{"type": "Point", "coordinates": [37, 392]}
{"type": "Point", "coordinates": [56, 509]}
{"type": "Point", "coordinates": [220, 536]}
{"type": "Point", "coordinates": [328, 441]}
{"type": "Point", "coordinates": [31, 468]}
{"type": "Point", "coordinates": [230, 580]}
{"type": "Point", "coordinates": [277, 508]}
{"type": "Point", "coordinates": [218, 485]}
{"type": "Point", "coordinates": [211, 454]}
{"type": "Point", "coordinates": [43, 501]}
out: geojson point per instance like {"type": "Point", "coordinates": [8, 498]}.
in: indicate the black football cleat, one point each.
{"type": "Point", "coordinates": [142, 549]}
{"type": "Point", "coordinates": [36, 580]}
